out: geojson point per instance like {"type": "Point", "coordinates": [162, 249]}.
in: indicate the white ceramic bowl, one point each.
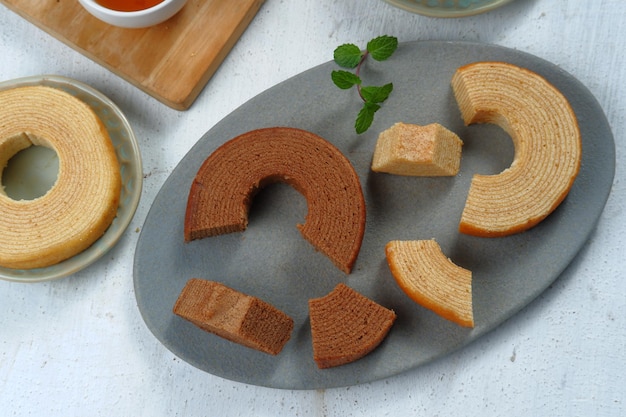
{"type": "Point", "coordinates": [139, 19]}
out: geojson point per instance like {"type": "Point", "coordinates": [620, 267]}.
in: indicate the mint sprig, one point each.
{"type": "Point", "coordinates": [351, 56]}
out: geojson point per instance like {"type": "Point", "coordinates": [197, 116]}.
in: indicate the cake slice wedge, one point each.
{"type": "Point", "coordinates": [431, 279]}
{"type": "Point", "coordinates": [346, 326]}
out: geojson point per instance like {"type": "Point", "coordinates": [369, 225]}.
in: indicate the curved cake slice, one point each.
{"type": "Point", "coordinates": [430, 279]}
{"type": "Point", "coordinates": [234, 316]}
{"type": "Point", "coordinates": [547, 144]}
{"type": "Point", "coordinates": [345, 326]}
{"type": "Point", "coordinates": [226, 182]}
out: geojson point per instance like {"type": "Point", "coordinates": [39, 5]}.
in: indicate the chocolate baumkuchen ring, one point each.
{"type": "Point", "coordinates": [82, 203]}
{"type": "Point", "coordinates": [547, 143]}
{"type": "Point", "coordinates": [225, 184]}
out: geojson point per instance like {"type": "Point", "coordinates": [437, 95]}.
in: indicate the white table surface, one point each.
{"type": "Point", "coordinates": [78, 346]}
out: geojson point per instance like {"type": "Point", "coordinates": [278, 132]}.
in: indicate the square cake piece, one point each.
{"type": "Point", "coordinates": [235, 316]}
{"type": "Point", "coordinates": [414, 150]}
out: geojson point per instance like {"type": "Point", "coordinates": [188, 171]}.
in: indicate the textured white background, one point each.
{"type": "Point", "coordinates": [78, 346]}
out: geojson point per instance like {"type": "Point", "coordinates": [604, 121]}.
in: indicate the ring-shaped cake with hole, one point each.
{"type": "Point", "coordinates": [83, 201]}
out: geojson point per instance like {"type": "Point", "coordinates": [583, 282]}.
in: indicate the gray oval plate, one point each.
{"type": "Point", "coordinates": [272, 261]}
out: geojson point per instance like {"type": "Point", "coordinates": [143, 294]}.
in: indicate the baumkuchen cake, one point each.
{"type": "Point", "coordinates": [410, 149]}
{"type": "Point", "coordinates": [345, 326]}
{"type": "Point", "coordinates": [235, 316]}
{"type": "Point", "coordinates": [225, 184]}
{"type": "Point", "coordinates": [82, 203]}
{"type": "Point", "coordinates": [547, 143]}
{"type": "Point", "coordinates": [430, 279]}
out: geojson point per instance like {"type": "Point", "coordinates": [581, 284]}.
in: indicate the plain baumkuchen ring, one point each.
{"type": "Point", "coordinates": [82, 203]}
{"type": "Point", "coordinates": [547, 142]}
{"type": "Point", "coordinates": [225, 184]}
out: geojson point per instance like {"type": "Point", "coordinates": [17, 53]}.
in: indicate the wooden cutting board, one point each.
{"type": "Point", "coordinates": [172, 61]}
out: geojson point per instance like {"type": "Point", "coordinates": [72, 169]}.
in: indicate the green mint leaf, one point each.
{"type": "Point", "coordinates": [382, 47]}
{"type": "Point", "coordinates": [348, 55]}
{"type": "Point", "coordinates": [373, 94]}
{"type": "Point", "coordinates": [365, 117]}
{"type": "Point", "coordinates": [345, 79]}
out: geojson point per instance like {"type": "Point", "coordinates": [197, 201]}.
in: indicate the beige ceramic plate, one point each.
{"type": "Point", "coordinates": [129, 157]}
{"type": "Point", "coordinates": [448, 8]}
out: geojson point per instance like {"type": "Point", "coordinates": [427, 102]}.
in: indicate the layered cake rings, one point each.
{"type": "Point", "coordinates": [233, 315]}
{"type": "Point", "coordinates": [346, 326]}
{"type": "Point", "coordinates": [547, 143]}
{"type": "Point", "coordinates": [224, 186]}
{"type": "Point", "coordinates": [82, 203]}
{"type": "Point", "coordinates": [431, 279]}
